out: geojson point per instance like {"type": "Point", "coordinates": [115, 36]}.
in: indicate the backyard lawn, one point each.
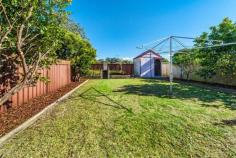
{"type": "Point", "coordinates": [133, 118]}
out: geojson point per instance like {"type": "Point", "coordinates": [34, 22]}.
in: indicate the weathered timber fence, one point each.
{"type": "Point", "coordinates": [228, 81]}
{"type": "Point", "coordinates": [127, 69]}
{"type": "Point", "coordinates": [59, 75]}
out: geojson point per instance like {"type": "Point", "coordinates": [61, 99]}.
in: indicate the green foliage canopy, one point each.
{"type": "Point", "coordinates": [218, 60]}
{"type": "Point", "coordinates": [115, 60]}
{"type": "Point", "coordinates": [29, 33]}
{"type": "Point", "coordinates": [208, 54]}
{"type": "Point", "coordinates": [79, 51]}
{"type": "Point", "coordinates": [186, 60]}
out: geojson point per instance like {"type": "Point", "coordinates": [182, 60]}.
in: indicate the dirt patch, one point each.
{"type": "Point", "coordinates": [15, 116]}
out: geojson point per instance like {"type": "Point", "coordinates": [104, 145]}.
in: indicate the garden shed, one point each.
{"type": "Point", "coordinates": [148, 64]}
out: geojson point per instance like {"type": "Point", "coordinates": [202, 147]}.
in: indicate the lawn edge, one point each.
{"type": "Point", "coordinates": [34, 118]}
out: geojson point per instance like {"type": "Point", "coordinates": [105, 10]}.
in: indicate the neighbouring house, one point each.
{"type": "Point", "coordinates": [148, 65]}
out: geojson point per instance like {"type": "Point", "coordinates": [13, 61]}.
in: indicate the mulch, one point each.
{"type": "Point", "coordinates": [15, 116]}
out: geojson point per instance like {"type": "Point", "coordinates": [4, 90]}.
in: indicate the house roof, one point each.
{"type": "Point", "coordinates": [148, 51]}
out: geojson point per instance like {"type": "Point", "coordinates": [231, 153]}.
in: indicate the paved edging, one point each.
{"type": "Point", "coordinates": [33, 119]}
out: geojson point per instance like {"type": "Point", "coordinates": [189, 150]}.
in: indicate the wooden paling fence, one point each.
{"type": "Point", "coordinates": [59, 75]}
{"type": "Point", "coordinates": [217, 79]}
{"type": "Point", "coordinates": [127, 69]}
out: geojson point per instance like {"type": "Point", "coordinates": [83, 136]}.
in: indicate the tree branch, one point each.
{"type": "Point", "coordinates": [5, 13]}
{"type": "Point", "coordinates": [19, 42]}
{"type": "Point", "coordinates": [29, 40]}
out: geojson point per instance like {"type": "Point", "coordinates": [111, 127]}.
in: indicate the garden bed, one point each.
{"type": "Point", "coordinates": [216, 85]}
{"type": "Point", "coordinates": [15, 116]}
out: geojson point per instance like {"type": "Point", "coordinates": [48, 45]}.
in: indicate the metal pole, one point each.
{"type": "Point", "coordinates": [163, 41]}
{"type": "Point", "coordinates": [150, 64]}
{"type": "Point", "coordinates": [171, 67]}
{"type": "Point", "coordinates": [195, 38]}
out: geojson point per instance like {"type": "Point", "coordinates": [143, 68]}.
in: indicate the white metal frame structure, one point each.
{"type": "Point", "coordinates": [169, 40]}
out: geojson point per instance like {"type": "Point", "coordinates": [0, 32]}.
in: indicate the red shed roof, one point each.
{"type": "Point", "coordinates": [149, 51]}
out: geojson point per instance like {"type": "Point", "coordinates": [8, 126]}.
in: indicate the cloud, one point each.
{"type": "Point", "coordinates": [127, 58]}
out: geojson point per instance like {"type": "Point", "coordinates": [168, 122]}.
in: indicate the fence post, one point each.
{"type": "Point", "coordinates": [47, 76]}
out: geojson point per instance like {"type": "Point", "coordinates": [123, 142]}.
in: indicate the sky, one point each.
{"type": "Point", "coordinates": [116, 27]}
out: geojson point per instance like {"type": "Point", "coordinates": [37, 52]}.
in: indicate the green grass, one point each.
{"type": "Point", "coordinates": [133, 118]}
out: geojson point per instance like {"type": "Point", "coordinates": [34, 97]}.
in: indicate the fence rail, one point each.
{"type": "Point", "coordinates": [59, 75]}
{"type": "Point", "coordinates": [127, 69]}
{"type": "Point", "coordinates": [217, 79]}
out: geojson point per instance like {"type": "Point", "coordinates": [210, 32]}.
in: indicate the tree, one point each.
{"type": "Point", "coordinates": [218, 60]}
{"type": "Point", "coordinates": [115, 61]}
{"type": "Point", "coordinates": [125, 61]}
{"type": "Point", "coordinates": [100, 61]}
{"type": "Point", "coordinates": [73, 27]}
{"type": "Point", "coordinates": [79, 51]}
{"type": "Point", "coordinates": [28, 39]}
{"type": "Point", "coordinates": [186, 60]}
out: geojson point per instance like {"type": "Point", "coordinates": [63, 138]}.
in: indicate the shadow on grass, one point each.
{"type": "Point", "coordinates": [180, 91]}
{"type": "Point", "coordinates": [227, 122]}
{"type": "Point", "coordinates": [88, 95]}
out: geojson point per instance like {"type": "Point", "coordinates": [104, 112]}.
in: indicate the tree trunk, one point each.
{"type": "Point", "coordinates": [187, 74]}
{"type": "Point", "coordinates": [9, 94]}
{"type": "Point", "coordinates": [182, 72]}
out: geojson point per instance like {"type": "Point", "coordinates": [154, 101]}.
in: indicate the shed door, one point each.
{"type": "Point", "coordinates": [146, 67]}
{"type": "Point", "coordinates": [157, 67]}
